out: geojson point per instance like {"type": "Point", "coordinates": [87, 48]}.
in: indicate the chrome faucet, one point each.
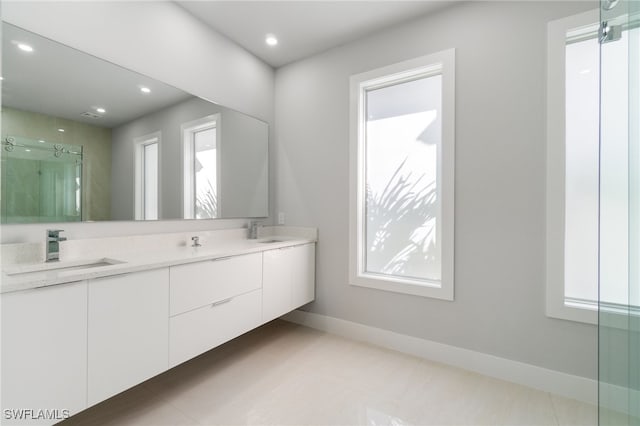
{"type": "Point", "coordinates": [253, 229]}
{"type": "Point", "coordinates": [195, 242]}
{"type": "Point", "coordinates": [52, 244]}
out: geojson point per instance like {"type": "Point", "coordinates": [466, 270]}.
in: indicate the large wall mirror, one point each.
{"type": "Point", "coordinates": [86, 140]}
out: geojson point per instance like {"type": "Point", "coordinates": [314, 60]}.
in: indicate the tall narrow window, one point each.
{"type": "Point", "coordinates": [577, 150]}
{"type": "Point", "coordinates": [402, 177]}
{"type": "Point", "coordinates": [582, 77]}
{"type": "Point", "coordinates": [146, 179]}
{"type": "Point", "coordinates": [201, 168]}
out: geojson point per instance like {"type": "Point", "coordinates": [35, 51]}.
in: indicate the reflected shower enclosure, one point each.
{"type": "Point", "coordinates": [41, 181]}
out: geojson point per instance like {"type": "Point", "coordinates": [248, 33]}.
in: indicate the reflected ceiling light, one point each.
{"type": "Point", "coordinates": [25, 47]}
{"type": "Point", "coordinates": [61, 130]}
{"type": "Point", "coordinates": [585, 71]}
{"type": "Point", "coordinates": [145, 89]}
{"type": "Point", "coordinates": [271, 40]}
{"type": "Point", "coordinates": [101, 110]}
{"type": "Point", "coordinates": [41, 141]}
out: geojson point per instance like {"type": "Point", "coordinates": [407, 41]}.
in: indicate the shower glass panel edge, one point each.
{"type": "Point", "coordinates": [619, 216]}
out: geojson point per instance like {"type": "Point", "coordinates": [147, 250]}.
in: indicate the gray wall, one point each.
{"type": "Point", "coordinates": [161, 40]}
{"type": "Point", "coordinates": [243, 150]}
{"type": "Point", "coordinates": [499, 305]}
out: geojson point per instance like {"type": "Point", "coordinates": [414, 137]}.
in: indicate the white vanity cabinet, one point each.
{"type": "Point", "coordinates": [128, 331]}
{"type": "Point", "coordinates": [44, 352]}
{"type": "Point", "coordinates": [288, 279]}
{"type": "Point", "coordinates": [66, 347]}
{"type": "Point", "coordinates": [212, 302]}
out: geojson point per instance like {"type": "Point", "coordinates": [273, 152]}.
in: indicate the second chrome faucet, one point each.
{"type": "Point", "coordinates": [253, 229]}
{"type": "Point", "coordinates": [52, 244]}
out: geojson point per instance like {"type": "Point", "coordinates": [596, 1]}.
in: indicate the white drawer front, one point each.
{"type": "Point", "coordinates": [197, 331]}
{"type": "Point", "coordinates": [202, 283]}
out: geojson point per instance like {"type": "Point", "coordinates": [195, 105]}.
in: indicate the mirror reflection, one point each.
{"type": "Point", "coordinates": [83, 139]}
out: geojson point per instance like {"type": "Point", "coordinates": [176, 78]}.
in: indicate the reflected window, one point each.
{"type": "Point", "coordinates": [403, 195]}
{"type": "Point", "coordinates": [201, 168]}
{"type": "Point", "coordinates": [146, 186]}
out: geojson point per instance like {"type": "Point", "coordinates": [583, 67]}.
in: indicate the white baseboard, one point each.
{"type": "Point", "coordinates": [556, 382]}
{"type": "Point", "coordinates": [621, 399]}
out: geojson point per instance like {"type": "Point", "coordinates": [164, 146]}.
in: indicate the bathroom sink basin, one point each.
{"type": "Point", "coordinates": [61, 267]}
{"type": "Point", "coordinates": [271, 241]}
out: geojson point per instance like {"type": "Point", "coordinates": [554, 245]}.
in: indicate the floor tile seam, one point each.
{"type": "Point", "coordinates": [159, 395]}
{"type": "Point", "coordinates": [554, 407]}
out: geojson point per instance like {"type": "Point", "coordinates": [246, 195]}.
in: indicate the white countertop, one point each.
{"type": "Point", "coordinates": [130, 262]}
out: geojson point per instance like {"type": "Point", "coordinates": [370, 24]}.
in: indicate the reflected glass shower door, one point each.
{"type": "Point", "coordinates": [41, 181]}
{"type": "Point", "coordinates": [619, 222]}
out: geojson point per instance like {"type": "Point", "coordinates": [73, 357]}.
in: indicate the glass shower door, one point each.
{"type": "Point", "coordinates": [41, 181]}
{"type": "Point", "coordinates": [619, 222]}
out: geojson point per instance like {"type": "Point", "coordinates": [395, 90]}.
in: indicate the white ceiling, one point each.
{"type": "Point", "coordinates": [303, 28]}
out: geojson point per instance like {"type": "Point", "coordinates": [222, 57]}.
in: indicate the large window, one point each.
{"type": "Point", "coordinates": [146, 179]}
{"type": "Point", "coordinates": [402, 147]}
{"type": "Point", "coordinates": [201, 168]}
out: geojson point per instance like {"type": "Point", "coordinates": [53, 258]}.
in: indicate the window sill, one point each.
{"type": "Point", "coordinates": [423, 288]}
{"type": "Point", "coordinates": [609, 315]}
{"type": "Point", "coordinates": [573, 310]}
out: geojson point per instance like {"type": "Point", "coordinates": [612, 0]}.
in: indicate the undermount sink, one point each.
{"type": "Point", "coordinates": [62, 266]}
{"type": "Point", "coordinates": [271, 241]}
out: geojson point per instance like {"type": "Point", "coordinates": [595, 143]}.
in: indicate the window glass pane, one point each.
{"type": "Point", "coordinates": [151, 181]}
{"type": "Point", "coordinates": [581, 170]}
{"type": "Point", "coordinates": [583, 160]}
{"type": "Point", "coordinates": [614, 169]}
{"type": "Point", "coordinates": [205, 169]}
{"type": "Point", "coordinates": [402, 205]}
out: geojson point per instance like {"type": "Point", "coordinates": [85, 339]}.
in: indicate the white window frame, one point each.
{"type": "Point", "coordinates": [188, 131]}
{"type": "Point", "coordinates": [139, 189]}
{"type": "Point", "coordinates": [440, 63]}
{"type": "Point", "coordinates": [556, 305]}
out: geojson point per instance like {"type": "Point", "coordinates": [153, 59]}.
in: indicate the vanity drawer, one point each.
{"type": "Point", "coordinates": [197, 331]}
{"type": "Point", "coordinates": [202, 283]}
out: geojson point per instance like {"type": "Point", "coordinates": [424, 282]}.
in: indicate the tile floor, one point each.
{"type": "Point", "coordinates": [285, 374]}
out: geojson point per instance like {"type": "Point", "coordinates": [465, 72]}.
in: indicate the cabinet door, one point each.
{"type": "Point", "coordinates": [128, 331]}
{"type": "Point", "coordinates": [44, 352]}
{"type": "Point", "coordinates": [303, 274]}
{"type": "Point", "coordinates": [276, 283]}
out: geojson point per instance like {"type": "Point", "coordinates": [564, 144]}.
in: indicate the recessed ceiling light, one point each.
{"type": "Point", "coordinates": [145, 89]}
{"type": "Point", "coordinates": [61, 130]}
{"type": "Point", "coordinates": [271, 40]}
{"type": "Point", "coordinates": [28, 150]}
{"type": "Point", "coordinates": [25, 47]}
{"type": "Point", "coordinates": [101, 110]}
